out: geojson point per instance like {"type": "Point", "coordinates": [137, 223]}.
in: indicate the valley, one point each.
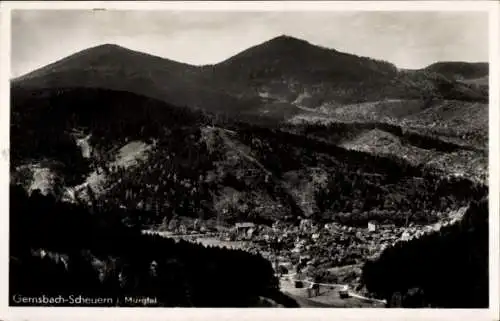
{"type": "Point", "coordinates": [285, 159]}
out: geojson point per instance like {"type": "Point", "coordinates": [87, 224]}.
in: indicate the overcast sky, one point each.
{"type": "Point", "coordinates": [407, 39]}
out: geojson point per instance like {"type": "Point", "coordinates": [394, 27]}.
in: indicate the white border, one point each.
{"type": "Point", "coordinates": [250, 314]}
{"type": "Point", "coordinates": [494, 159]}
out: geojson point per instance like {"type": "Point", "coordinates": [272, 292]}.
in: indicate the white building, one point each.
{"type": "Point", "coordinates": [372, 226]}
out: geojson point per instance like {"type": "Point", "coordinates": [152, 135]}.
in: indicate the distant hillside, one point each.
{"type": "Point", "coordinates": [213, 155]}
{"type": "Point", "coordinates": [460, 70]}
{"type": "Point", "coordinates": [267, 80]}
{"type": "Point", "coordinates": [260, 175]}
{"type": "Point", "coordinates": [456, 121]}
{"type": "Point", "coordinates": [286, 69]}
{"type": "Point", "coordinates": [116, 68]}
{"type": "Point", "coordinates": [420, 146]}
{"type": "Point", "coordinates": [237, 172]}
{"type": "Point", "coordinates": [111, 117]}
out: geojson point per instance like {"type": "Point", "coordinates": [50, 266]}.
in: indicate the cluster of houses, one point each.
{"type": "Point", "coordinates": [336, 243]}
{"type": "Point", "coordinates": [366, 242]}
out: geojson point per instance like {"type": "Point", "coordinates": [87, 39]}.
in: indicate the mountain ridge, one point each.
{"type": "Point", "coordinates": [282, 68]}
{"type": "Point", "coordinates": [272, 82]}
{"type": "Point", "coordinates": [280, 38]}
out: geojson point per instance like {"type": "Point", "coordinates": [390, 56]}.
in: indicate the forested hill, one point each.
{"type": "Point", "coordinates": [61, 249]}
{"type": "Point", "coordinates": [252, 172]}
{"type": "Point", "coordinates": [271, 75]}
{"type": "Point", "coordinates": [460, 70]}
{"type": "Point", "coordinates": [267, 84]}
{"type": "Point", "coordinates": [445, 269]}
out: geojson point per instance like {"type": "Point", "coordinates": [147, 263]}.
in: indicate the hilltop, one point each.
{"type": "Point", "coordinates": [116, 68]}
{"type": "Point", "coordinates": [274, 75]}
{"type": "Point", "coordinates": [460, 70]}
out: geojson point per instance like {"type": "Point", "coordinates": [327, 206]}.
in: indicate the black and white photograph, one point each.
{"type": "Point", "coordinates": [249, 158]}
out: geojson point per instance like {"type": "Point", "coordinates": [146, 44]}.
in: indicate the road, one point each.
{"type": "Point", "coordinates": [329, 296]}
{"type": "Point", "coordinates": [329, 293]}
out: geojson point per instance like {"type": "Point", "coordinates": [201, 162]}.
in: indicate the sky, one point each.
{"type": "Point", "coordinates": [407, 39]}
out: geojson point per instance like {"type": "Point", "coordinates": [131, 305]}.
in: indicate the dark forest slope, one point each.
{"type": "Point", "coordinates": [65, 250]}
{"type": "Point", "coordinates": [445, 269]}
